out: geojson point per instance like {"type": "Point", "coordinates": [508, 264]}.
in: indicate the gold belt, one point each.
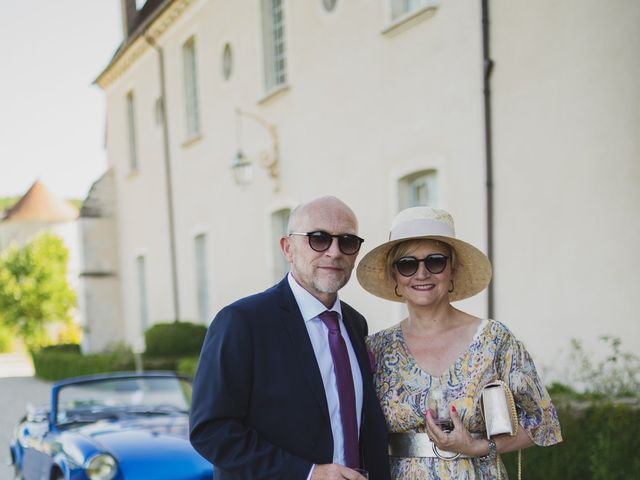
{"type": "Point", "coordinates": [415, 444]}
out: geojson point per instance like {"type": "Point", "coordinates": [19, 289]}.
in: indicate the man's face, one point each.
{"type": "Point", "coordinates": [321, 273]}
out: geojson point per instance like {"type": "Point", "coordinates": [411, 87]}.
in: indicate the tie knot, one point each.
{"type": "Point", "coordinates": [330, 319]}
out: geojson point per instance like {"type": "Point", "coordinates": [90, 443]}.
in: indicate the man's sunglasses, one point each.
{"type": "Point", "coordinates": [321, 241]}
{"type": "Point", "coordinates": [408, 266]}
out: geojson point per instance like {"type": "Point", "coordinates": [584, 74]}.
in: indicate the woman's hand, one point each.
{"type": "Point", "coordinates": [459, 440]}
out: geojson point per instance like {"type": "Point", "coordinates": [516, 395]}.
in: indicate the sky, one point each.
{"type": "Point", "coordinates": [52, 117]}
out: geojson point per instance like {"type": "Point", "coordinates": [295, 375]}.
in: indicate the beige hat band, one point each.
{"type": "Point", "coordinates": [421, 227]}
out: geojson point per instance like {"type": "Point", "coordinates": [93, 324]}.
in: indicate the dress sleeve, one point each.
{"type": "Point", "coordinates": [536, 412]}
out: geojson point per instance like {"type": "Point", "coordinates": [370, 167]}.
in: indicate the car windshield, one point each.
{"type": "Point", "coordinates": [112, 398]}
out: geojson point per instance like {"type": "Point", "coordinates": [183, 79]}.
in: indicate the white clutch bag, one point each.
{"type": "Point", "coordinates": [499, 409]}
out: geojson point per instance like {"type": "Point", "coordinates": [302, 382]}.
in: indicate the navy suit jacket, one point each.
{"type": "Point", "coordinates": [259, 409]}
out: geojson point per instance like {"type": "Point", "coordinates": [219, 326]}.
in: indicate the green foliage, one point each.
{"type": "Point", "coordinates": [52, 363]}
{"type": "Point", "coordinates": [170, 346]}
{"type": "Point", "coordinates": [62, 347]}
{"type": "Point", "coordinates": [600, 443]}
{"type": "Point", "coordinates": [6, 339]}
{"type": "Point", "coordinates": [176, 339]}
{"type": "Point", "coordinates": [599, 421]}
{"type": "Point", "coordinates": [8, 202]}
{"type": "Point", "coordinates": [618, 375]}
{"type": "Point", "coordinates": [33, 288]}
{"type": "Point", "coordinates": [187, 366]}
{"type": "Point", "coordinates": [159, 363]}
{"type": "Point", "coordinates": [76, 202]}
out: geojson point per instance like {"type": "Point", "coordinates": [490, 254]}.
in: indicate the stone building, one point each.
{"type": "Point", "coordinates": [521, 118]}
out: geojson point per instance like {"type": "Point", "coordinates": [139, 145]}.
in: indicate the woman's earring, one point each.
{"type": "Point", "coordinates": [396, 290]}
{"type": "Point", "coordinates": [452, 287]}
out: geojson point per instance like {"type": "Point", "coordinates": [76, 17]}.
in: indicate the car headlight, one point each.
{"type": "Point", "coordinates": [101, 467]}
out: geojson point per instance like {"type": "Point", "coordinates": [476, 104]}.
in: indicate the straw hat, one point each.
{"type": "Point", "coordinates": [473, 269]}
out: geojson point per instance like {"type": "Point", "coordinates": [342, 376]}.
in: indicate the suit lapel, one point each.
{"type": "Point", "coordinates": [301, 345]}
{"type": "Point", "coordinates": [363, 362]}
{"type": "Point", "coordinates": [358, 346]}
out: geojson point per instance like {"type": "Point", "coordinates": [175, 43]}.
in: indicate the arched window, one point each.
{"type": "Point", "coordinates": [190, 72]}
{"type": "Point", "coordinates": [419, 188]}
{"type": "Point", "coordinates": [273, 42]}
{"type": "Point", "coordinates": [403, 8]}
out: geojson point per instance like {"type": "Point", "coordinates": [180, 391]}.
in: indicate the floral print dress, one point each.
{"type": "Point", "coordinates": [403, 390]}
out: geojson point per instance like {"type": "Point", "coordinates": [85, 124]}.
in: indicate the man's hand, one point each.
{"type": "Point", "coordinates": [333, 471]}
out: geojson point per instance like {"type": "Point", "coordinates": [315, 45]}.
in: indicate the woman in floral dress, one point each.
{"type": "Point", "coordinates": [430, 368]}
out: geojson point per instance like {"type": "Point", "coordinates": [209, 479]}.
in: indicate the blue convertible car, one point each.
{"type": "Point", "coordinates": [117, 426]}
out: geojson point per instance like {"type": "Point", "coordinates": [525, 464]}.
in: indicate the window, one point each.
{"type": "Point", "coordinates": [227, 62]}
{"type": "Point", "coordinates": [279, 221]}
{"type": "Point", "coordinates": [202, 283]}
{"type": "Point", "coordinates": [131, 128]}
{"type": "Point", "coordinates": [273, 39]}
{"type": "Point", "coordinates": [191, 87]}
{"type": "Point", "coordinates": [329, 4]}
{"type": "Point", "coordinates": [419, 188]}
{"type": "Point", "coordinates": [142, 293]}
{"type": "Point", "coordinates": [401, 8]}
{"type": "Point", "coordinates": [158, 111]}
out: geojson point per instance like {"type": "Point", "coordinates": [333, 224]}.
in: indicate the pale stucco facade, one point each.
{"type": "Point", "coordinates": [366, 103]}
{"type": "Point", "coordinates": [99, 297]}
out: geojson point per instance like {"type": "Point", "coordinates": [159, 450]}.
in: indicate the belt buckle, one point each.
{"type": "Point", "coordinates": [443, 454]}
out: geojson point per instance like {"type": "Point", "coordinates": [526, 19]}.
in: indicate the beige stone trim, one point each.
{"type": "Point", "coordinates": [134, 50]}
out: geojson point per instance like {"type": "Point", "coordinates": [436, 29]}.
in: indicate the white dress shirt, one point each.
{"type": "Point", "coordinates": [311, 307]}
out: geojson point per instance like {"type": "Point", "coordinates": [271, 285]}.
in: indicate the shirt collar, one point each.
{"type": "Point", "coordinates": [310, 307]}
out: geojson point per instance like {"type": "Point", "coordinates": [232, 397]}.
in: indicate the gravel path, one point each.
{"type": "Point", "coordinates": [17, 388]}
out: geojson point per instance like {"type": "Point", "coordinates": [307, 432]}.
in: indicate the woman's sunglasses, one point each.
{"type": "Point", "coordinates": [408, 266]}
{"type": "Point", "coordinates": [321, 241]}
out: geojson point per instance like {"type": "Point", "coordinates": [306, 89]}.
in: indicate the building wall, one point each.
{"type": "Point", "coordinates": [324, 145]}
{"type": "Point", "coordinates": [567, 117]}
{"type": "Point", "coordinates": [140, 206]}
{"type": "Point", "coordinates": [99, 297]}
{"type": "Point", "coordinates": [366, 105]}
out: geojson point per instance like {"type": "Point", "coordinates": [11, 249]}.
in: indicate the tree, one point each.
{"type": "Point", "coordinates": [34, 291]}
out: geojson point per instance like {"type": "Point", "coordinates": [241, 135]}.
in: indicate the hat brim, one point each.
{"type": "Point", "coordinates": [473, 272]}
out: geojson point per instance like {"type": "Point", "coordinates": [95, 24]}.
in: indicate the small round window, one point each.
{"type": "Point", "coordinates": [227, 62]}
{"type": "Point", "coordinates": [329, 4]}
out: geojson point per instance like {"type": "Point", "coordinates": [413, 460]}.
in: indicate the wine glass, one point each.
{"type": "Point", "coordinates": [438, 405]}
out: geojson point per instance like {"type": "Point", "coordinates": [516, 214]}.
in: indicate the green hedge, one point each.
{"type": "Point", "coordinates": [176, 339]}
{"type": "Point", "coordinates": [601, 441]}
{"type": "Point", "coordinates": [187, 366]}
{"type": "Point", "coordinates": [55, 365]}
{"type": "Point", "coordinates": [62, 347]}
{"type": "Point", "coordinates": [58, 363]}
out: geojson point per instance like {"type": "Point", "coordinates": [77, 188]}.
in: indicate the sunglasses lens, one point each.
{"type": "Point", "coordinates": [435, 263]}
{"type": "Point", "coordinates": [407, 266]}
{"type": "Point", "coordinates": [319, 241]}
{"type": "Point", "coordinates": [349, 244]}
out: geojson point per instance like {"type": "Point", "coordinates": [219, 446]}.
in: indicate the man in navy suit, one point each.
{"type": "Point", "coordinates": [283, 387]}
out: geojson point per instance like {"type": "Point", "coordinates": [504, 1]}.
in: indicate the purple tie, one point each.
{"type": "Point", "coordinates": [346, 391]}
